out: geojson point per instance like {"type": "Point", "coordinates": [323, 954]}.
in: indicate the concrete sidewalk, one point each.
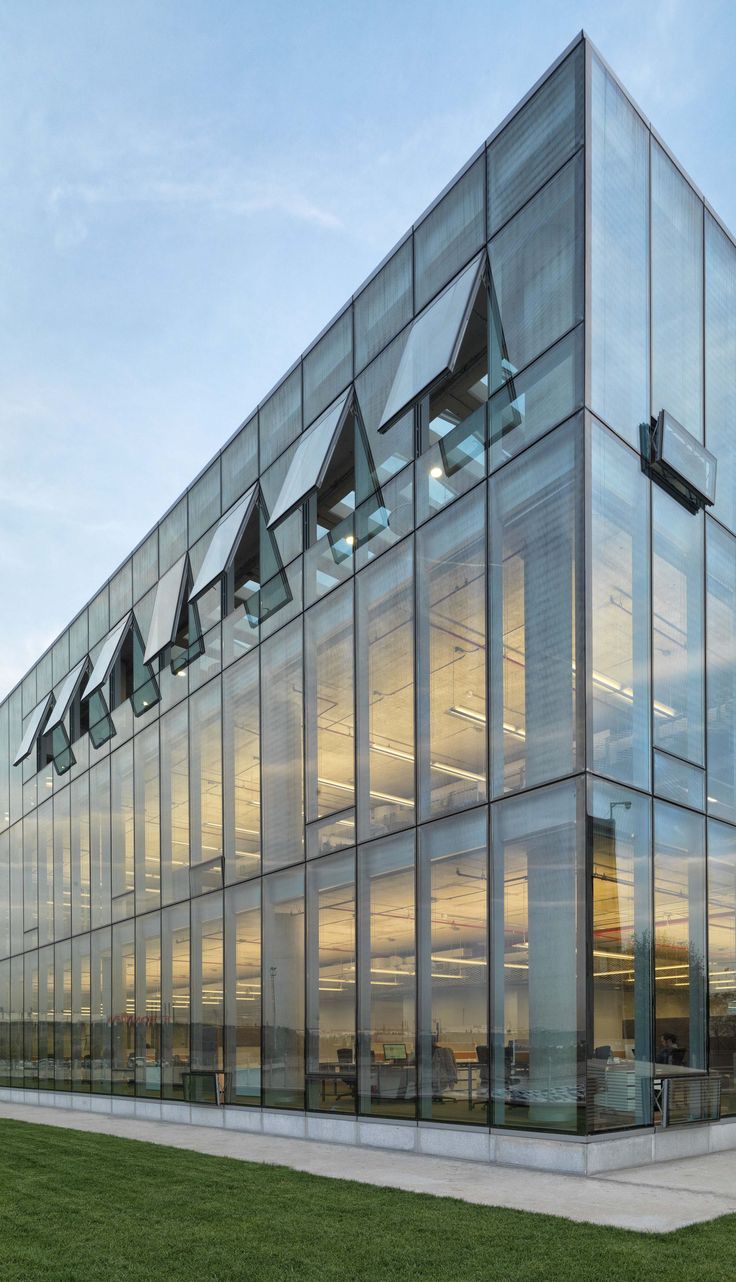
{"type": "Point", "coordinates": [656, 1198]}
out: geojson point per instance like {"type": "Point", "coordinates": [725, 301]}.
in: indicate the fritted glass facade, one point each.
{"type": "Point", "coordinates": [394, 774]}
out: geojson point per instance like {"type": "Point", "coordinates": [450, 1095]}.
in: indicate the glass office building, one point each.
{"type": "Point", "coordinates": [393, 775]}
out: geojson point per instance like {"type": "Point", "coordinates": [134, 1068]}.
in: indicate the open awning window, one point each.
{"type": "Point", "coordinates": [33, 729]}
{"type": "Point", "coordinates": [167, 606]}
{"type": "Point", "coordinates": [312, 458]}
{"type": "Point", "coordinates": [108, 654]}
{"type": "Point", "coordinates": [434, 341]}
{"type": "Point", "coordinates": [69, 689]}
{"type": "Point", "coordinates": [224, 544]}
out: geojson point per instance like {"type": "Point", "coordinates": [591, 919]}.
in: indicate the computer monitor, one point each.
{"type": "Point", "coordinates": [394, 1050]}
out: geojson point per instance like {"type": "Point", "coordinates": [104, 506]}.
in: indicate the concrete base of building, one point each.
{"type": "Point", "coordinates": [571, 1155]}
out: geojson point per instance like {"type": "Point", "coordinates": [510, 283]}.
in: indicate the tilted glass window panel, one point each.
{"type": "Point", "coordinates": [537, 274]}
{"type": "Point", "coordinates": [720, 365]}
{"type": "Point", "coordinates": [450, 233]}
{"type": "Point", "coordinates": [434, 341]}
{"type": "Point", "coordinates": [677, 295]}
{"type": "Point", "coordinates": [682, 463]}
{"type": "Point", "coordinates": [619, 250]}
{"type": "Point", "coordinates": [311, 459]}
{"type": "Point", "coordinates": [69, 689]}
{"type": "Point", "coordinates": [677, 781]}
{"type": "Point", "coordinates": [166, 609]}
{"type": "Point", "coordinates": [224, 544]}
{"type": "Point", "coordinates": [105, 660]}
{"type": "Point", "coordinates": [540, 138]}
{"type": "Point", "coordinates": [33, 729]}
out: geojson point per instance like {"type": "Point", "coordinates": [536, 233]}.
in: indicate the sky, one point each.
{"type": "Point", "coordinates": [190, 189]}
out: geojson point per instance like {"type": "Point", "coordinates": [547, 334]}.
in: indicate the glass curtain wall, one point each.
{"type": "Point", "coordinates": [722, 960]}
{"type": "Point", "coordinates": [679, 936]}
{"type": "Point", "coordinates": [677, 628]}
{"type": "Point", "coordinates": [331, 984]}
{"type": "Point", "coordinates": [243, 993]}
{"type": "Point", "coordinates": [283, 989]}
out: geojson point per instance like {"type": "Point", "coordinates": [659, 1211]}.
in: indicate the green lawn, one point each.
{"type": "Point", "coordinates": [78, 1207]}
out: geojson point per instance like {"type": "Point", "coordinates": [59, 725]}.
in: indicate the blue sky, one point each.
{"type": "Point", "coordinates": [190, 190]}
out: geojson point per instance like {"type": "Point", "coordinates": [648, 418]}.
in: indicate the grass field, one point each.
{"type": "Point", "coordinates": [76, 1207]}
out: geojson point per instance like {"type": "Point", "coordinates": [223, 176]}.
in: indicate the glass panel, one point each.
{"type": "Point", "coordinates": [537, 1007]}
{"type": "Point", "coordinates": [280, 418]}
{"type": "Point", "coordinates": [677, 781]}
{"type": "Point", "coordinates": [66, 692]}
{"type": "Point", "coordinates": [5, 899]}
{"type": "Point", "coordinates": [720, 365]}
{"type": "Point", "coordinates": [453, 970]}
{"type": "Point", "coordinates": [101, 1010]}
{"type": "Point", "coordinates": [4, 768]}
{"type": "Point", "coordinates": [99, 842]}
{"type": "Point", "coordinates": [619, 257]}
{"type": "Point", "coordinates": [145, 566]}
{"type": "Point", "coordinates": [203, 502]}
{"type": "Point", "coordinates": [147, 821]}
{"type": "Point", "coordinates": [16, 889]}
{"type": "Point", "coordinates": [243, 993]}
{"type": "Point", "coordinates": [450, 234]}
{"type": "Point", "coordinates": [679, 938]}
{"type": "Point", "coordinates": [172, 536]}
{"type": "Point", "coordinates": [328, 366]}
{"type": "Point", "coordinates": [391, 451]}
{"type": "Point", "coordinates": [63, 1016]}
{"type": "Point", "coordinates": [311, 456]}
{"type": "Point", "coordinates": [30, 1020]}
{"type": "Point", "coordinates": [331, 984]}
{"type": "Point", "coordinates": [330, 711]}
{"type": "Point", "coordinates": [537, 141]}
{"type": "Point", "coordinates": [166, 610]}
{"type": "Point", "coordinates": [677, 295]}
{"type": "Point", "coordinates": [30, 878]}
{"type": "Point", "coordinates": [174, 806]}
{"type": "Point", "coordinates": [148, 1005]}
{"type": "Point", "coordinates": [387, 983]}
{"type": "Point", "coordinates": [720, 671]}
{"type": "Point", "coordinates": [620, 617]}
{"type": "Point", "coordinates": [536, 518]}
{"type": "Point", "coordinates": [122, 813]}
{"type": "Point", "coordinates": [242, 769]}
{"type": "Point", "coordinates": [451, 569]}
{"type": "Point", "coordinates": [205, 774]}
{"type": "Point", "coordinates": [223, 544]}
{"type": "Point", "coordinates": [530, 404]}
{"type": "Point", "coordinates": [384, 306]}
{"type": "Point", "coordinates": [207, 986]}
{"type": "Point", "coordinates": [80, 835]}
{"type": "Point", "coordinates": [282, 749]}
{"type": "Point", "coordinates": [677, 627]}
{"type": "Point", "coordinates": [240, 463]}
{"type": "Point", "coordinates": [619, 1067]}
{"type": "Point", "coordinates": [385, 659]}
{"type": "Point", "coordinates": [46, 873]}
{"type": "Point", "coordinates": [46, 1079]}
{"type": "Point", "coordinates": [174, 1000]}
{"type": "Point", "coordinates": [6, 1034]}
{"type": "Point", "coordinates": [722, 960]}
{"type": "Point", "coordinates": [121, 592]}
{"type": "Point", "coordinates": [105, 660]}
{"type": "Point", "coordinates": [123, 1008]}
{"type": "Point", "coordinates": [283, 996]}
{"type": "Point", "coordinates": [537, 275]}
{"type": "Point", "coordinates": [432, 343]}
{"type": "Point", "coordinates": [81, 1014]}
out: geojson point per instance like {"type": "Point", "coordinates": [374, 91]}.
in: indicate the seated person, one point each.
{"type": "Point", "coordinates": [669, 1051]}
{"type": "Point", "coordinates": [444, 1068]}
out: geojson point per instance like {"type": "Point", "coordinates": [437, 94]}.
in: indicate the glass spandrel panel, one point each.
{"type": "Point", "coordinates": [32, 730]}
{"type": "Point", "coordinates": [107, 656]}
{"type": "Point", "coordinates": [311, 457]}
{"type": "Point", "coordinates": [677, 295]}
{"type": "Point", "coordinates": [203, 502]}
{"type": "Point", "coordinates": [240, 463]}
{"type": "Point", "coordinates": [539, 139]}
{"type": "Point", "coordinates": [166, 610]}
{"type": "Point", "coordinates": [328, 366]}
{"type": "Point", "coordinates": [391, 451]}
{"type": "Point", "coordinates": [224, 544]}
{"type": "Point", "coordinates": [280, 418]}
{"type": "Point", "coordinates": [384, 306]}
{"type": "Point", "coordinates": [432, 343]}
{"type": "Point", "coordinates": [537, 275]}
{"type": "Point", "coordinates": [68, 690]}
{"type": "Point", "coordinates": [720, 365]}
{"type": "Point", "coordinates": [619, 250]}
{"type": "Point", "coordinates": [450, 234]}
